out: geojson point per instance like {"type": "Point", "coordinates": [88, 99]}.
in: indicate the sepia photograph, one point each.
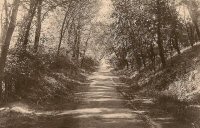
{"type": "Point", "coordinates": [99, 63]}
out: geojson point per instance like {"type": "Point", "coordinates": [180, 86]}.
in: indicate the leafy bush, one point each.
{"type": "Point", "coordinates": [89, 63]}
{"type": "Point", "coordinates": [24, 72]}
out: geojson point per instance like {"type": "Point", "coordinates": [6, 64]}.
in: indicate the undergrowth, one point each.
{"type": "Point", "coordinates": [44, 79]}
{"type": "Point", "coordinates": [175, 88]}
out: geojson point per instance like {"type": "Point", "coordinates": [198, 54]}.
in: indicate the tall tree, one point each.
{"type": "Point", "coordinates": [64, 26]}
{"type": "Point", "coordinates": [6, 43]}
{"type": "Point", "coordinates": [193, 8]}
{"type": "Point", "coordinates": [38, 26]}
{"type": "Point", "coordinates": [6, 23]}
{"type": "Point", "coordinates": [27, 24]}
{"type": "Point", "coordinates": [159, 34]}
{"type": "Point", "coordinates": [174, 25]}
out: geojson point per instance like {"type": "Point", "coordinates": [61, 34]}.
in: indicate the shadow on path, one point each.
{"type": "Point", "coordinates": [101, 107]}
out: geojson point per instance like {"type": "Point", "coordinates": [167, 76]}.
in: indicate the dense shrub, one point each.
{"type": "Point", "coordinates": [23, 73]}
{"type": "Point", "coordinates": [89, 63]}
{"type": "Point", "coordinates": [118, 63]}
{"type": "Point", "coordinates": [27, 73]}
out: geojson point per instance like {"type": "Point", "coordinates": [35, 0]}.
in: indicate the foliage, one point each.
{"type": "Point", "coordinates": [143, 37]}
{"type": "Point", "coordinates": [49, 36]}
{"type": "Point", "coordinates": [88, 63]}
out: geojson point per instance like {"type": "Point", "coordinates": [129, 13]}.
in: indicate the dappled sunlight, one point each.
{"type": "Point", "coordinates": [4, 109]}
{"type": "Point", "coordinates": [100, 89]}
{"type": "Point", "coordinates": [119, 116]}
{"type": "Point", "coordinates": [100, 104]}
{"type": "Point", "coordinates": [144, 101]}
{"type": "Point", "coordinates": [109, 116]}
{"type": "Point", "coordinates": [94, 111]}
{"type": "Point", "coordinates": [101, 86]}
{"type": "Point", "coordinates": [102, 93]}
{"type": "Point", "coordinates": [84, 111]}
{"type": "Point", "coordinates": [25, 109]}
{"type": "Point", "coordinates": [100, 64]}
{"type": "Point", "coordinates": [93, 93]}
{"type": "Point", "coordinates": [101, 76]}
{"type": "Point", "coordinates": [104, 99]}
{"type": "Point", "coordinates": [165, 119]}
{"type": "Point", "coordinates": [22, 110]}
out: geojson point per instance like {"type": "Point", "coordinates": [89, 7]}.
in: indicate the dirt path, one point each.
{"type": "Point", "coordinates": [101, 107]}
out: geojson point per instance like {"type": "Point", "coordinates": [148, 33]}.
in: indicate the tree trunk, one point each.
{"type": "Point", "coordinates": [143, 60]}
{"type": "Point", "coordinates": [4, 26]}
{"type": "Point", "coordinates": [161, 49]}
{"type": "Point", "coordinates": [6, 43]}
{"type": "Point", "coordinates": [176, 46]}
{"type": "Point", "coordinates": [159, 36]}
{"type": "Point", "coordinates": [138, 61]}
{"type": "Point", "coordinates": [193, 11]}
{"type": "Point", "coordinates": [190, 34]}
{"type": "Point", "coordinates": [78, 44]}
{"type": "Point", "coordinates": [152, 57]}
{"type": "Point", "coordinates": [197, 29]}
{"type": "Point", "coordinates": [26, 30]}
{"type": "Point", "coordinates": [62, 33]}
{"type": "Point", "coordinates": [63, 29]}
{"type": "Point", "coordinates": [75, 40]}
{"type": "Point", "coordinates": [175, 38]}
{"type": "Point", "coordinates": [38, 27]}
{"type": "Point", "coordinates": [78, 41]}
{"type": "Point", "coordinates": [84, 51]}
